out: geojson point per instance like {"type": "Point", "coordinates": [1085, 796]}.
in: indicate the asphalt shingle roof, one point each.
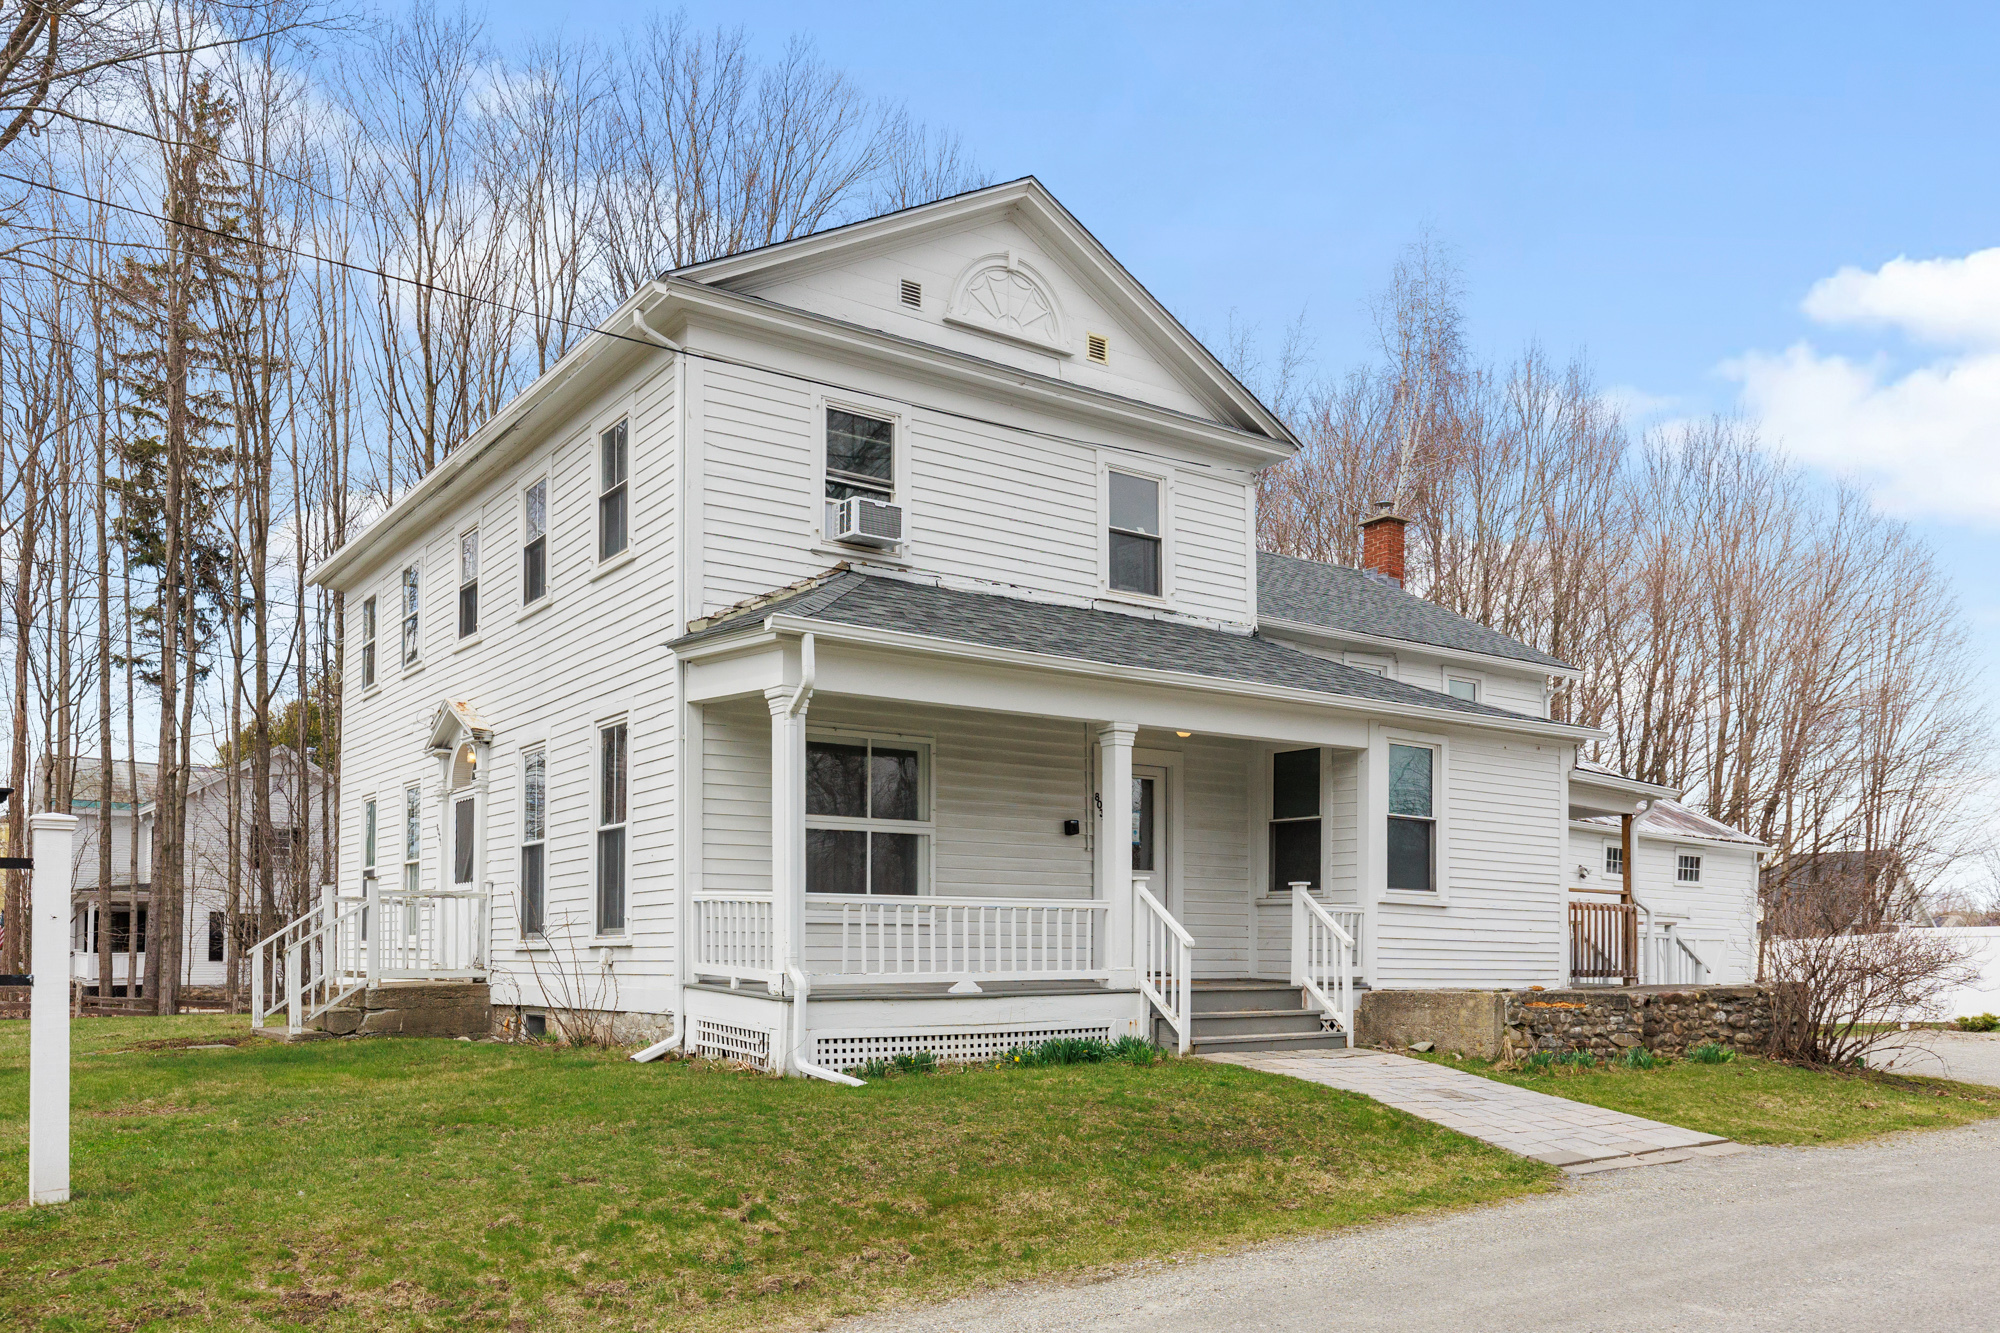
{"type": "Point", "coordinates": [1075, 632]}
{"type": "Point", "coordinates": [1336, 597]}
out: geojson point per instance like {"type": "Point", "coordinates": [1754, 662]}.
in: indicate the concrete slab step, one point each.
{"type": "Point", "coordinates": [1271, 1041]}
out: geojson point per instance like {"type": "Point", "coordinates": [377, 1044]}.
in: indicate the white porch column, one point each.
{"type": "Point", "coordinates": [788, 823]}
{"type": "Point", "coordinates": [1114, 847]}
{"type": "Point", "coordinates": [1371, 844]}
{"type": "Point", "coordinates": [50, 836]}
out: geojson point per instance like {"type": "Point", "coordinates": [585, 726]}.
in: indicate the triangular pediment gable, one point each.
{"type": "Point", "coordinates": [1005, 273]}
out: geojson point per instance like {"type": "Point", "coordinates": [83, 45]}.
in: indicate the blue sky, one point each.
{"type": "Point", "coordinates": [1667, 188]}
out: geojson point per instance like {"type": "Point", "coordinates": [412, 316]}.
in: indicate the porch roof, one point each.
{"type": "Point", "coordinates": [1078, 633]}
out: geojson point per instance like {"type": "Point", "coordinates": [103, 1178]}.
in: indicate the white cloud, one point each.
{"type": "Point", "coordinates": [1925, 440]}
{"type": "Point", "coordinates": [1953, 302]}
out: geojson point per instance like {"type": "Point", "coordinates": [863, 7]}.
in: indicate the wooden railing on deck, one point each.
{"type": "Point", "coordinates": [1604, 942]}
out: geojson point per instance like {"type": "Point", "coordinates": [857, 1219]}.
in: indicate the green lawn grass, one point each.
{"type": "Point", "coordinates": [412, 1184]}
{"type": "Point", "coordinates": [1760, 1101]}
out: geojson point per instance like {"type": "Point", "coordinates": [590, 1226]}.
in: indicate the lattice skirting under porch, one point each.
{"type": "Point", "coordinates": [729, 1041]}
{"type": "Point", "coordinates": [851, 1050]}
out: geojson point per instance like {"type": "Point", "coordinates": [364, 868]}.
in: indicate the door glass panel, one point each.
{"type": "Point", "coordinates": [462, 837]}
{"type": "Point", "coordinates": [1143, 832]}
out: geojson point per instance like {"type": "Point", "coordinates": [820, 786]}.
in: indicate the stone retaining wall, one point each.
{"type": "Point", "coordinates": [1511, 1024]}
{"type": "Point", "coordinates": [1610, 1019]}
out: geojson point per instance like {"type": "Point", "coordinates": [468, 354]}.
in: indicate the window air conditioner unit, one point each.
{"type": "Point", "coordinates": [864, 522]}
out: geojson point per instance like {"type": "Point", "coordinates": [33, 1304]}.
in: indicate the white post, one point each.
{"type": "Point", "coordinates": [256, 981]}
{"type": "Point", "coordinates": [51, 836]}
{"type": "Point", "coordinates": [788, 831]}
{"type": "Point", "coordinates": [1114, 848]}
{"type": "Point", "coordinates": [372, 923]}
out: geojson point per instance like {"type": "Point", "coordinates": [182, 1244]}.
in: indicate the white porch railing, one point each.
{"type": "Point", "coordinates": [735, 938]}
{"type": "Point", "coordinates": [307, 966]}
{"type": "Point", "coordinates": [1323, 958]}
{"type": "Point", "coordinates": [970, 939]}
{"type": "Point", "coordinates": [1166, 963]}
{"type": "Point", "coordinates": [342, 944]}
{"type": "Point", "coordinates": [1665, 959]}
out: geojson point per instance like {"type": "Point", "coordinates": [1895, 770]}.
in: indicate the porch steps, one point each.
{"type": "Point", "coordinates": [1251, 1015]}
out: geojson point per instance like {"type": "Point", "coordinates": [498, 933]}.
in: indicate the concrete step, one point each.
{"type": "Point", "coordinates": [1270, 1041]}
{"type": "Point", "coordinates": [413, 1009]}
{"type": "Point", "coordinates": [1232, 1022]}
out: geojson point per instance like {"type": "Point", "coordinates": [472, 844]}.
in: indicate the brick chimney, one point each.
{"type": "Point", "coordinates": [1382, 542]}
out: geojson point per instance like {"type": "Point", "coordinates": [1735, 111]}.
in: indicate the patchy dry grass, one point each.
{"type": "Point", "coordinates": [1761, 1101]}
{"type": "Point", "coordinates": [407, 1184]}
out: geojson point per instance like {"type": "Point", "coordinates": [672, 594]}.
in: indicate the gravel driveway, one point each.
{"type": "Point", "coordinates": [1898, 1234]}
{"type": "Point", "coordinates": [1969, 1057]}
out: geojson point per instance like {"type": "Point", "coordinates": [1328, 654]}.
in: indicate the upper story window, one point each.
{"type": "Point", "coordinates": [860, 456]}
{"type": "Point", "coordinates": [1295, 831]}
{"type": "Point", "coordinates": [468, 584]}
{"type": "Point", "coordinates": [1614, 859]}
{"type": "Point", "coordinates": [1687, 868]}
{"type": "Point", "coordinates": [367, 643]}
{"type": "Point", "coordinates": [535, 541]}
{"type": "Point", "coordinates": [1135, 534]}
{"type": "Point", "coordinates": [1460, 688]}
{"type": "Point", "coordinates": [1412, 818]}
{"type": "Point", "coordinates": [410, 603]}
{"type": "Point", "coordinates": [614, 467]}
{"type": "Point", "coordinates": [866, 822]}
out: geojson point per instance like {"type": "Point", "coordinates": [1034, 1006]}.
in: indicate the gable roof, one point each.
{"type": "Point", "coordinates": [1341, 599]}
{"type": "Point", "coordinates": [1028, 200]}
{"type": "Point", "coordinates": [1079, 634]}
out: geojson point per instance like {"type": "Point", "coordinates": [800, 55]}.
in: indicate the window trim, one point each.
{"type": "Point", "coordinates": [413, 856]}
{"type": "Point", "coordinates": [370, 610]}
{"type": "Point", "coordinates": [898, 418]}
{"type": "Point", "coordinates": [1108, 463]}
{"type": "Point", "coordinates": [599, 491]}
{"type": "Point", "coordinates": [1614, 851]}
{"type": "Point", "coordinates": [1477, 683]}
{"type": "Point", "coordinates": [371, 827]}
{"type": "Point", "coordinates": [530, 751]}
{"type": "Point", "coordinates": [926, 746]}
{"type": "Point", "coordinates": [410, 620]}
{"type": "Point", "coordinates": [623, 930]}
{"type": "Point", "coordinates": [1681, 857]}
{"type": "Point", "coordinates": [541, 478]}
{"type": "Point", "coordinates": [1378, 786]}
{"type": "Point", "coordinates": [478, 559]}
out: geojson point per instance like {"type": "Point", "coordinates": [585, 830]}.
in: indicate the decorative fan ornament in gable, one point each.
{"type": "Point", "coordinates": [1000, 295]}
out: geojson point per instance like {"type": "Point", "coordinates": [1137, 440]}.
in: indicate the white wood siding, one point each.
{"type": "Point", "coordinates": [1718, 916]}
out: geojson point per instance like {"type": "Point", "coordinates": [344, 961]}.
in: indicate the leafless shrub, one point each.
{"type": "Point", "coordinates": [1837, 996]}
{"type": "Point", "coordinates": [582, 995]}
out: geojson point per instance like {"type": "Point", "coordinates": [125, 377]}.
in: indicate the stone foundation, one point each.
{"type": "Point", "coordinates": [1605, 1020]}
{"type": "Point", "coordinates": [413, 1009]}
{"type": "Point", "coordinates": [625, 1028]}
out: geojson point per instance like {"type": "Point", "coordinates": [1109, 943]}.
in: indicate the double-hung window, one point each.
{"type": "Point", "coordinates": [410, 606]}
{"type": "Point", "coordinates": [535, 542]}
{"type": "Point", "coordinates": [215, 933]}
{"type": "Point", "coordinates": [368, 837]}
{"type": "Point", "coordinates": [367, 643]}
{"type": "Point", "coordinates": [1412, 818]}
{"type": "Point", "coordinates": [468, 584]}
{"type": "Point", "coordinates": [534, 837]}
{"type": "Point", "coordinates": [1687, 868]}
{"type": "Point", "coordinates": [413, 838]}
{"type": "Point", "coordinates": [613, 513]}
{"type": "Point", "coordinates": [1295, 830]}
{"type": "Point", "coordinates": [867, 825]}
{"type": "Point", "coordinates": [1135, 534]}
{"type": "Point", "coordinates": [612, 781]}
{"type": "Point", "coordinates": [860, 459]}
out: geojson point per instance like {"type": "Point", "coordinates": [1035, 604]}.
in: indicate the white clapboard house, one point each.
{"type": "Point", "coordinates": [860, 645]}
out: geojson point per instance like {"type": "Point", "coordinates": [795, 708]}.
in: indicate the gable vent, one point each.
{"type": "Point", "coordinates": [913, 294]}
{"type": "Point", "coordinates": [1100, 347]}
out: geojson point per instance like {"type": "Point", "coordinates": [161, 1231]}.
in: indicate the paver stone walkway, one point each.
{"type": "Point", "coordinates": [1568, 1134]}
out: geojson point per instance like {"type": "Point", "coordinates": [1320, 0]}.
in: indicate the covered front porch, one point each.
{"type": "Point", "coordinates": [916, 853]}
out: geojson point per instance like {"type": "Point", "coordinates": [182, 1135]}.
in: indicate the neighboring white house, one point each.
{"type": "Point", "coordinates": [209, 822]}
{"type": "Point", "coordinates": [861, 644]}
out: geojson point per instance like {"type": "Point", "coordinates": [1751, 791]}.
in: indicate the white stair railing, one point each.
{"type": "Point", "coordinates": [1166, 964]}
{"type": "Point", "coordinates": [1323, 959]}
{"type": "Point", "coordinates": [308, 965]}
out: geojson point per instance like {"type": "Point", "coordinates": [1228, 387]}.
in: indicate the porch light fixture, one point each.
{"type": "Point", "coordinates": [1184, 734]}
